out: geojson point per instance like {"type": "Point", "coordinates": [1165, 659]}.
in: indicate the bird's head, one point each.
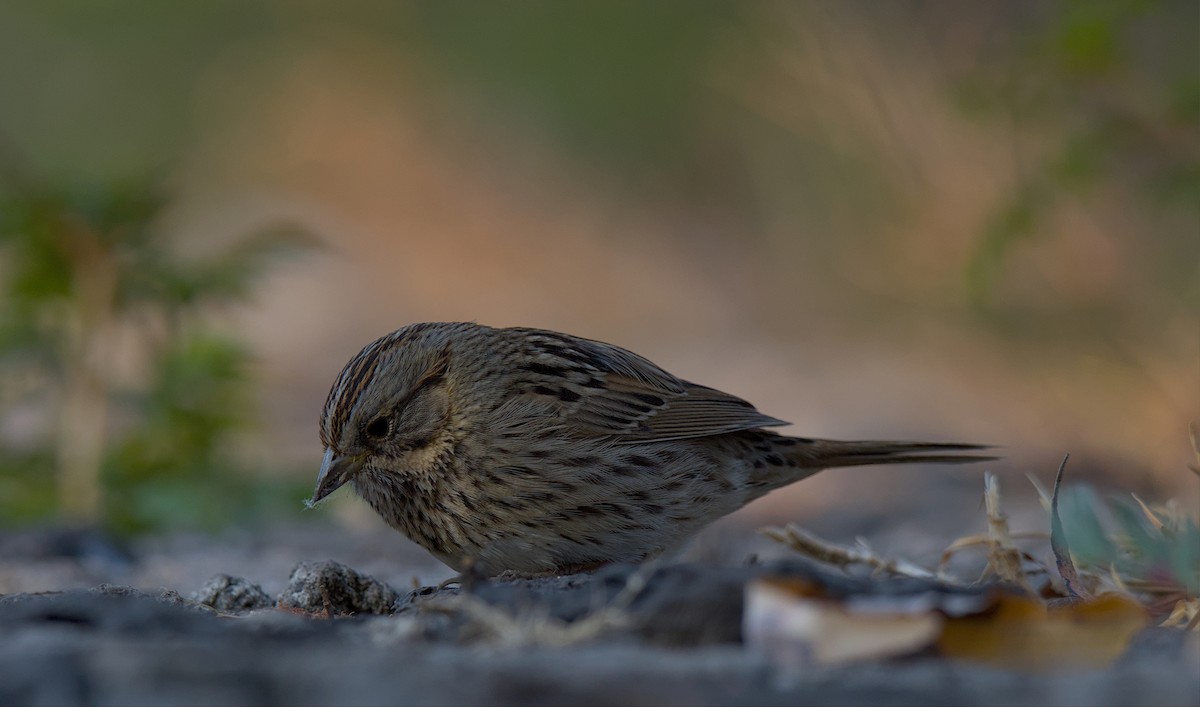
{"type": "Point", "coordinates": [388, 411]}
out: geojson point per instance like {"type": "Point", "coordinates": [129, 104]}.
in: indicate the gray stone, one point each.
{"type": "Point", "coordinates": [332, 588]}
{"type": "Point", "coordinates": [232, 595]}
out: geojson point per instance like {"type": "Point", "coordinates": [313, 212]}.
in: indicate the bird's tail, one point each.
{"type": "Point", "coordinates": [780, 461]}
{"type": "Point", "coordinates": [827, 453]}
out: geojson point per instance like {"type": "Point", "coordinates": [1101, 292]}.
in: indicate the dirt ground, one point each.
{"type": "Point", "coordinates": [317, 615]}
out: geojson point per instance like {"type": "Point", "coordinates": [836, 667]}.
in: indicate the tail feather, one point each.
{"type": "Point", "coordinates": [828, 453]}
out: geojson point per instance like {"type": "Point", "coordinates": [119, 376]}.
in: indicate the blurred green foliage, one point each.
{"type": "Point", "coordinates": [1118, 83]}
{"type": "Point", "coordinates": [105, 90]}
{"type": "Point", "coordinates": [92, 283]}
{"type": "Point", "coordinates": [619, 82]}
{"type": "Point", "coordinates": [615, 82]}
{"type": "Point", "coordinates": [1147, 547]}
{"type": "Point", "coordinates": [174, 468]}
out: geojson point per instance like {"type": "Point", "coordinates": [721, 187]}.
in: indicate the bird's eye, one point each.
{"type": "Point", "coordinates": [379, 428]}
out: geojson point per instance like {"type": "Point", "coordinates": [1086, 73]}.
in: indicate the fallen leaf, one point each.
{"type": "Point", "coordinates": [794, 626]}
{"type": "Point", "coordinates": [1021, 633]}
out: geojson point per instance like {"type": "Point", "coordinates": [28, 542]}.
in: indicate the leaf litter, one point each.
{"type": "Point", "coordinates": [1120, 565]}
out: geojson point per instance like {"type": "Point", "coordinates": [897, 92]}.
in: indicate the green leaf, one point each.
{"type": "Point", "coordinates": [1091, 544]}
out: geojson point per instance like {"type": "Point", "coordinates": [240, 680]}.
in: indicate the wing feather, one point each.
{"type": "Point", "coordinates": [598, 389]}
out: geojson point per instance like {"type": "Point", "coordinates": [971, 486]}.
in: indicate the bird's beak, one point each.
{"type": "Point", "coordinates": [335, 471]}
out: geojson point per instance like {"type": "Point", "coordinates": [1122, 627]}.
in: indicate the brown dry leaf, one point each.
{"type": "Point", "coordinates": [794, 626]}
{"type": "Point", "coordinates": [1021, 633]}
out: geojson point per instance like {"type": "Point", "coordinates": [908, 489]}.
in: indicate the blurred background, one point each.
{"type": "Point", "coordinates": [934, 220]}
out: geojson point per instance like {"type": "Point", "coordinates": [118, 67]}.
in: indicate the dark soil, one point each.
{"type": "Point", "coordinates": [328, 634]}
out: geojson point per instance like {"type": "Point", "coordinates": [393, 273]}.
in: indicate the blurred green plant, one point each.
{"type": "Point", "coordinates": [1124, 544]}
{"type": "Point", "coordinates": [1117, 81]}
{"type": "Point", "coordinates": [615, 81]}
{"type": "Point", "coordinates": [92, 285]}
{"type": "Point", "coordinates": [1149, 547]}
{"type": "Point", "coordinates": [1121, 542]}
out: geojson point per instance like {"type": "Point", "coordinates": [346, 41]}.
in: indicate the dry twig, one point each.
{"type": "Point", "coordinates": [1004, 557]}
{"type": "Point", "coordinates": [811, 546]}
